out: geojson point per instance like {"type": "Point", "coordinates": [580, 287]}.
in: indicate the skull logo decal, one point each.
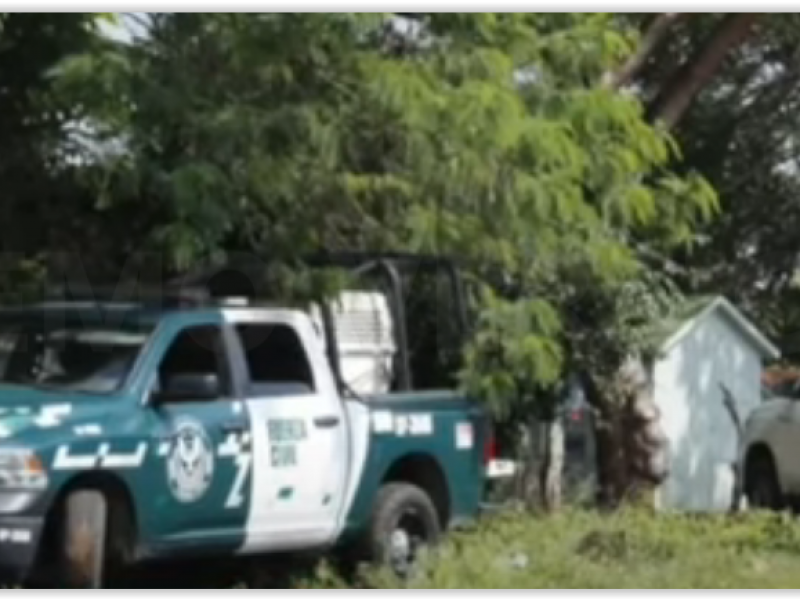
{"type": "Point", "coordinates": [190, 462]}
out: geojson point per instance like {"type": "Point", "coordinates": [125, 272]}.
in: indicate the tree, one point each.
{"type": "Point", "coordinates": [478, 135]}
{"type": "Point", "coordinates": [668, 74]}
{"type": "Point", "coordinates": [734, 120]}
{"type": "Point", "coordinates": [42, 198]}
{"type": "Point", "coordinates": [740, 133]}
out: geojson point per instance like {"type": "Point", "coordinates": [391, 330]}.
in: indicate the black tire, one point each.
{"type": "Point", "coordinates": [82, 550]}
{"type": "Point", "coordinates": [402, 512]}
{"type": "Point", "coordinates": [762, 486]}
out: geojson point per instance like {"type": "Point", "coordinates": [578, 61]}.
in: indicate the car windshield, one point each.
{"type": "Point", "coordinates": [74, 358]}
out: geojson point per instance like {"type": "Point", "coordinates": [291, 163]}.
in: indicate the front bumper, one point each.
{"type": "Point", "coordinates": [19, 545]}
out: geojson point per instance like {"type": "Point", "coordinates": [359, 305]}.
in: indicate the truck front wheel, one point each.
{"type": "Point", "coordinates": [83, 539]}
{"type": "Point", "coordinates": [404, 521]}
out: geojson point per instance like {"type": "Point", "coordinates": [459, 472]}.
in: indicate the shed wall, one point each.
{"type": "Point", "coordinates": [702, 436]}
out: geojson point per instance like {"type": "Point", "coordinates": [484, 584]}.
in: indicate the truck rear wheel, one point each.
{"type": "Point", "coordinates": [83, 539]}
{"type": "Point", "coordinates": [404, 521]}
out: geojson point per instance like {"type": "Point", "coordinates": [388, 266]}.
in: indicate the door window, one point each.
{"type": "Point", "coordinates": [277, 362]}
{"type": "Point", "coordinates": [194, 367]}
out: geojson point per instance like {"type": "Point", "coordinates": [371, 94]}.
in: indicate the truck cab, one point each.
{"type": "Point", "coordinates": [130, 432]}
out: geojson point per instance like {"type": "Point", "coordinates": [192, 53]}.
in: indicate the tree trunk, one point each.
{"type": "Point", "coordinates": [631, 446]}
{"type": "Point", "coordinates": [608, 443]}
{"type": "Point", "coordinates": [552, 468]}
{"type": "Point", "coordinates": [656, 33]}
{"type": "Point", "coordinates": [677, 94]}
{"type": "Point", "coordinates": [527, 485]}
{"type": "Point", "coordinates": [646, 450]}
{"type": "Point", "coordinates": [540, 480]}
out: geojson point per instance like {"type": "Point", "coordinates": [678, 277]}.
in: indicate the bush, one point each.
{"type": "Point", "coordinates": [588, 550]}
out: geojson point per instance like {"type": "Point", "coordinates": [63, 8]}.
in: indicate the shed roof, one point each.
{"type": "Point", "coordinates": [674, 329]}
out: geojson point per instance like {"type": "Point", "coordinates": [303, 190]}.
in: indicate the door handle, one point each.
{"type": "Point", "coordinates": [325, 422]}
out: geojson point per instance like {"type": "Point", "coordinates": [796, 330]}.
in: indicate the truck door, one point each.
{"type": "Point", "coordinates": [200, 433]}
{"type": "Point", "coordinates": [299, 433]}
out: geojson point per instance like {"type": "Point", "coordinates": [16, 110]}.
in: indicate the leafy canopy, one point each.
{"type": "Point", "coordinates": [483, 136]}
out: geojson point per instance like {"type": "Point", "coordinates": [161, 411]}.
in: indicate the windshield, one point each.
{"type": "Point", "coordinates": [74, 358]}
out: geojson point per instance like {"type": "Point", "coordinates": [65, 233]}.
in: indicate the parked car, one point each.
{"type": "Point", "coordinates": [768, 465]}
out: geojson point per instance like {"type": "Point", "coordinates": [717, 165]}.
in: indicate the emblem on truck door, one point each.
{"type": "Point", "coordinates": [190, 462]}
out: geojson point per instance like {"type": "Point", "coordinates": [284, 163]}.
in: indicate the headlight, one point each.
{"type": "Point", "coordinates": [21, 469]}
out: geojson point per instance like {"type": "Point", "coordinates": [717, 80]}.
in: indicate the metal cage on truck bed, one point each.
{"type": "Point", "coordinates": [236, 284]}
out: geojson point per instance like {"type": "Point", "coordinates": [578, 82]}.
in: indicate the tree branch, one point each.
{"type": "Point", "coordinates": [677, 94]}
{"type": "Point", "coordinates": [653, 38]}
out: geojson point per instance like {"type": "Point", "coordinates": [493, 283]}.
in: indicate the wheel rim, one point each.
{"type": "Point", "coordinates": [407, 537]}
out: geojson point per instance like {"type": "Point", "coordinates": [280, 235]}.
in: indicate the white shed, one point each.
{"type": "Point", "coordinates": [710, 346]}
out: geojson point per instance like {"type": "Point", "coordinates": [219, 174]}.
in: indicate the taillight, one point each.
{"type": "Point", "coordinates": [490, 447]}
{"type": "Point", "coordinates": [576, 415]}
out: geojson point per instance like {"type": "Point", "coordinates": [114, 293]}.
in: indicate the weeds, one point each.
{"type": "Point", "coordinates": [631, 549]}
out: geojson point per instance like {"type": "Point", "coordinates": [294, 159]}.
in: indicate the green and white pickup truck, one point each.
{"type": "Point", "coordinates": [130, 432]}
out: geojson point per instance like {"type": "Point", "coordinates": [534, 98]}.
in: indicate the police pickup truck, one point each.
{"type": "Point", "coordinates": [131, 432]}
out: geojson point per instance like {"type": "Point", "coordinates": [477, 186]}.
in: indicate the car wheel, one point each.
{"type": "Point", "coordinates": [83, 539]}
{"type": "Point", "coordinates": [403, 523]}
{"type": "Point", "coordinates": [763, 488]}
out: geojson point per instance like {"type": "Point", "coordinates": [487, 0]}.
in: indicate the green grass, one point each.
{"type": "Point", "coordinates": [576, 549]}
{"type": "Point", "coordinates": [584, 550]}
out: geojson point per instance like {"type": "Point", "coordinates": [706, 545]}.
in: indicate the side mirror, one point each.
{"type": "Point", "coordinates": [189, 386]}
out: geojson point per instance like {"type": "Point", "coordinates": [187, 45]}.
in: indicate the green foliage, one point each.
{"type": "Point", "coordinates": [632, 313]}
{"type": "Point", "coordinates": [515, 342]}
{"type": "Point", "coordinates": [23, 278]}
{"type": "Point", "coordinates": [483, 136]}
{"type": "Point", "coordinates": [43, 201]}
